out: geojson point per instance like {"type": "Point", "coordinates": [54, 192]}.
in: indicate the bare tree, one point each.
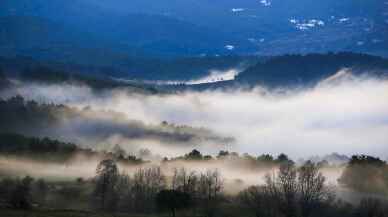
{"type": "Point", "coordinates": [298, 191]}
{"type": "Point", "coordinates": [125, 194]}
{"type": "Point", "coordinates": [210, 188]}
{"type": "Point", "coordinates": [372, 207]}
{"type": "Point", "coordinates": [283, 188]}
{"type": "Point", "coordinates": [185, 181]}
{"type": "Point", "coordinates": [146, 184]}
{"type": "Point", "coordinates": [312, 189]}
{"type": "Point", "coordinates": [173, 200]}
{"type": "Point", "coordinates": [106, 180]}
{"type": "Point", "coordinates": [21, 195]}
{"type": "Point", "coordinates": [256, 199]}
{"type": "Point", "coordinates": [40, 192]}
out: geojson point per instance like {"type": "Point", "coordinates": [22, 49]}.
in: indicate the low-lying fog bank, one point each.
{"type": "Point", "coordinates": [344, 114]}
{"type": "Point", "coordinates": [237, 176]}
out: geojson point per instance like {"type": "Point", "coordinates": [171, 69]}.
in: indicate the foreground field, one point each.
{"type": "Point", "coordinates": [61, 213]}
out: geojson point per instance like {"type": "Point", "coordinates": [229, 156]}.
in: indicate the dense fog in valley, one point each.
{"type": "Point", "coordinates": [344, 114]}
{"type": "Point", "coordinates": [193, 108]}
{"type": "Point", "coordinates": [80, 147]}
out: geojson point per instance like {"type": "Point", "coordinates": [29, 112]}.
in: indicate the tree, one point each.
{"type": "Point", "coordinates": [283, 188]}
{"type": "Point", "coordinates": [194, 155]}
{"type": "Point", "coordinates": [41, 190]}
{"type": "Point", "coordinates": [173, 200]}
{"type": "Point", "coordinates": [145, 153]}
{"type": "Point", "coordinates": [256, 199]}
{"type": "Point", "coordinates": [106, 180]}
{"type": "Point", "coordinates": [366, 174]}
{"type": "Point", "coordinates": [312, 189]}
{"type": "Point", "coordinates": [125, 193]}
{"type": "Point", "coordinates": [210, 187]}
{"type": "Point", "coordinates": [21, 195]}
{"type": "Point", "coordinates": [283, 158]}
{"type": "Point", "coordinates": [298, 191]}
{"type": "Point", "coordinates": [185, 181]}
{"type": "Point", "coordinates": [146, 184]}
{"type": "Point", "coordinates": [223, 154]}
{"type": "Point", "coordinates": [371, 207]}
{"type": "Point", "coordinates": [119, 152]}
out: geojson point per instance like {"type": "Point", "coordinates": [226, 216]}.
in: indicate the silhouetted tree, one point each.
{"type": "Point", "coordinates": [146, 184]}
{"type": "Point", "coordinates": [173, 200]}
{"type": "Point", "coordinates": [40, 192]}
{"type": "Point", "coordinates": [194, 155]}
{"type": "Point", "coordinates": [283, 158]}
{"type": "Point", "coordinates": [106, 179]}
{"type": "Point", "coordinates": [258, 200]}
{"type": "Point", "coordinates": [119, 152]}
{"type": "Point", "coordinates": [312, 189]}
{"type": "Point", "coordinates": [21, 195]}
{"type": "Point", "coordinates": [223, 154]}
{"type": "Point", "coordinates": [366, 174]}
{"type": "Point", "coordinates": [283, 188]}
{"type": "Point", "coordinates": [372, 207]}
{"type": "Point", "coordinates": [210, 189]}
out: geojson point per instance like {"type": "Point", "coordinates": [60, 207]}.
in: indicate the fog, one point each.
{"type": "Point", "coordinates": [216, 75]}
{"type": "Point", "coordinates": [344, 114]}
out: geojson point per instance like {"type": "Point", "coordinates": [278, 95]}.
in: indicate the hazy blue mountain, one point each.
{"type": "Point", "coordinates": [301, 71]}
{"type": "Point", "coordinates": [292, 26]}
{"type": "Point", "coordinates": [291, 70]}
{"type": "Point", "coordinates": [131, 68]}
{"type": "Point", "coordinates": [153, 33]}
{"type": "Point", "coordinates": [197, 27]}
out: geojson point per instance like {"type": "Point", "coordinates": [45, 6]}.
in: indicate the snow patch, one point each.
{"type": "Point", "coordinates": [256, 41]}
{"type": "Point", "coordinates": [345, 19]}
{"type": "Point", "coordinates": [266, 3]}
{"type": "Point", "coordinates": [236, 10]}
{"type": "Point", "coordinates": [306, 24]}
{"type": "Point", "coordinates": [229, 47]}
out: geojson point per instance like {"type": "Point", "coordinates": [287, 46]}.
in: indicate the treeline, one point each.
{"type": "Point", "coordinates": [96, 82]}
{"type": "Point", "coordinates": [19, 115]}
{"type": "Point", "coordinates": [138, 68]}
{"type": "Point", "coordinates": [290, 191]}
{"type": "Point", "coordinates": [29, 117]}
{"type": "Point", "coordinates": [366, 174]}
{"type": "Point", "coordinates": [244, 160]}
{"type": "Point", "coordinates": [18, 144]}
{"type": "Point", "coordinates": [51, 150]}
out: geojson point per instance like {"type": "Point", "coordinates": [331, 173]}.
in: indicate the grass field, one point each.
{"type": "Point", "coordinates": [63, 213]}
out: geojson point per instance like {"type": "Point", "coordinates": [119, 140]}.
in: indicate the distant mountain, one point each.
{"type": "Point", "coordinates": [291, 70]}
{"type": "Point", "coordinates": [154, 34]}
{"type": "Point", "coordinates": [278, 27]}
{"type": "Point", "coordinates": [4, 82]}
{"type": "Point", "coordinates": [202, 27]}
{"type": "Point", "coordinates": [44, 39]}
{"type": "Point", "coordinates": [299, 71]}
{"type": "Point", "coordinates": [273, 72]}
{"type": "Point", "coordinates": [134, 69]}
